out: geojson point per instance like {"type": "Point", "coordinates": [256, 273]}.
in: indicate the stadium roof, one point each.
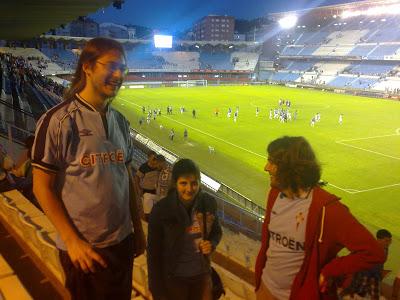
{"type": "Point", "coordinates": [333, 9]}
{"type": "Point", "coordinates": [22, 19]}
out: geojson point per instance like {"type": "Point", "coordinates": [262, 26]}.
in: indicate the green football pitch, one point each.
{"type": "Point", "coordinates": [360, 158]}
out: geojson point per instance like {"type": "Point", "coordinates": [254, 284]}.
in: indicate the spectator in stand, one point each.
{"type": "Point", "coordinates": [82, 178]}
{"type": "Point", "coordinates": [368, 283]}
{"type": "Point", "coordinates": [164, 177]}
{"type": "Point", "coordinates": [7, 181]}
{"type": "Point", "coordinates": [146, 180]}
{"type": "Point", "coordinates": [183, 232]}
{"type": "Point", "coordinates": [24, 171]}
{"type": "Point", "coordinates": [396, 287]}
{"type": "Point", "coordinates": [304, 229]}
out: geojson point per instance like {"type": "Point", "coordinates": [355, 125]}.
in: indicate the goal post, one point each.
{"type": "Point", "coordinates": [191, 83]}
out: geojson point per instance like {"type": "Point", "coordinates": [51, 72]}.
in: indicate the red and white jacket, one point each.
{"type": "Point", "coordinates": [330, 228]}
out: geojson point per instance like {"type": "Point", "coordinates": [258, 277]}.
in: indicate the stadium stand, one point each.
{"type": "Point", "coordinates": [361, 46]}
{"type": "Point", "coordinates": [179, 60]}
{"type": "Point", "coordinates": [245, 61]}
{"type": "Point", "coordinates": [141, 57]}
{"type": "Point", "coordinates": [370, 68]}
{"type": "Point", "coordinates": [64, 58]}
{"type": "Point", "coordinates": [215, 60]}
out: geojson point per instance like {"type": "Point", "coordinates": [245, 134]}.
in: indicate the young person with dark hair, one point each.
{"type": "Point", "coordinates": [145, 182]}
{"type": "Point", "coordinates": [82, 178]}
{"type": "Point", "coordinates": [304, 229]}
{"type": "Point", "coordinates": [183, 232]}
{"type": "Point", "coordinates": [368, 283]}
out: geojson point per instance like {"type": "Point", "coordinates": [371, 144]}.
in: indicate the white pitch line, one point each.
{"type": "Point", "coordinates": [217, 138]}
{"type": "Point", "coordinates": [378, 188]}
{"type": "Point", "coordinates": [375, 152]}
{"type": "Point", "coordinates": [205, 133]}
{"type": "Point", "coordinates": [342, 189]}
{"type": "Point", "coordinates": [366, 138]}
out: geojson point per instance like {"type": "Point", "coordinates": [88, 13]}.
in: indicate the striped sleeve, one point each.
{"type": "Point", "coordinates": [46, 147]}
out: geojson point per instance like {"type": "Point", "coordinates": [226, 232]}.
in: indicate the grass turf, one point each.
{"type": "Point", "coordinates": [360, 158]}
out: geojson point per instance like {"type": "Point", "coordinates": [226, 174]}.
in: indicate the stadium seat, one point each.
{"type": "Point", "coordinates": [49, 253]}
{"type": "Point", "coordinates": [139, 278]}
{"type": "Point", "coordinates": [5, 269]}
{"type": "Point", "coordinates": [11, 288]}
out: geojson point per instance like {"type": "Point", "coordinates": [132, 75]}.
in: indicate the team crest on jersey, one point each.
{"type": "Point", "coordinates": [299, 219]}
{"type": "Point", "coordinates": [85, 132]}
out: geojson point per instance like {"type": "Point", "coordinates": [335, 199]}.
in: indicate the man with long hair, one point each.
{"type": "Point", "coordinates": [304, 229]}
{"type": "Point", "coordinates": [82, 178]}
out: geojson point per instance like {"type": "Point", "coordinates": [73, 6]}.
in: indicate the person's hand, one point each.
{"type": "Point", "coordinates": [140, 242]}
{"type": "Point", "coordinates": [83, 256]}
{"type": "Point", "coordinates": [323, 283]}
{"type": "Point", "coordinates": [205, 247]}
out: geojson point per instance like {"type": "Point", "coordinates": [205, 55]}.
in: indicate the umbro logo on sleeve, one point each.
{"type": "Point", "coordinates": [85, 132]}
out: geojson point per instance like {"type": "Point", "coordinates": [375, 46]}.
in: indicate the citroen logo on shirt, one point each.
{"type": "Point", "coordinates": [85, 132]}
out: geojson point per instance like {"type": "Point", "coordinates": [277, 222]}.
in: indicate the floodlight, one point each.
{"type": "Point", "coordinates": [288, 22]}
{"type": "Point", "coordinates": [162, 41]}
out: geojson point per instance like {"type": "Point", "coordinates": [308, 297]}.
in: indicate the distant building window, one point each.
{"type": "Point", "coordinates": [223, 25]}
{"type": "Point", "coordinates": [216, 20]}
{"type": "Point", "coordinates": [223, 20]}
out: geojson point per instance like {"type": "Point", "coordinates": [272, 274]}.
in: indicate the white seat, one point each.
{"type": "Point", "coordinates": [49, 254]}
{"type": "Point", "coordinates": [43, 223]}
{"type": "Point", "coordinates": [12, 216]}
{"type": "Point", "coordinates": [29, 233]}
{"type": "Point", "coordinates": [5, 269]}
{"type": "Point", "coordinates": [232, 282]}
{"type": "Point", "coordinates": [12, 289]}
{"type": "Point", "coordinates": [139, 279]}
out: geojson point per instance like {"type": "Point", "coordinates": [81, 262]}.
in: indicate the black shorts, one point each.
{"type": "Point", "coordinates": [113, 282]}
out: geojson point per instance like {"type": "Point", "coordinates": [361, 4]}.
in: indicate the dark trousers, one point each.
{"type": "Point", "coordinates": [113, 282]}
{"type": "Point", "coordinates": [191, 288]}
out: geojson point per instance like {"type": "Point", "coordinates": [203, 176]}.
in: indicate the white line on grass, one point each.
{"type": "Point", "coordinates": [367, 150]}
{"type": "Point", "coordinates": [378, 188]}
{"type": "Point", "coordinates": [205, 133]}
{"type": "Point", "coordinates": [350, 191]}
{"type": "Point", "coordinates": [369, 137]}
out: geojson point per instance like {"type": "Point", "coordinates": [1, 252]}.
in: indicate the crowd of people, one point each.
{"type": "Point", "coordinates": [20, 71]}
{"type": "Point", "coordinates": [84, 182]}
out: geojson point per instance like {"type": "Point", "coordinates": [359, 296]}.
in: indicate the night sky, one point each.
{"type": "Point", "coordinates": [178, 15]}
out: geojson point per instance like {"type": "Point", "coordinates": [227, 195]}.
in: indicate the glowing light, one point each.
{"type": "Point", "coordinates": [288, 22]}
{"type": "Point", "coordinates": [162, 41]}
{"type": "Point", "coordinates": [393, 9]}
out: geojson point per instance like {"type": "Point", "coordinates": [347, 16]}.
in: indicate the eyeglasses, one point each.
{"type": "Point", "coordinates": [113, 66]}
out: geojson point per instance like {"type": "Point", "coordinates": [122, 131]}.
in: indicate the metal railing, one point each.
{"type": "Point", "coordinates": [245, 217]}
